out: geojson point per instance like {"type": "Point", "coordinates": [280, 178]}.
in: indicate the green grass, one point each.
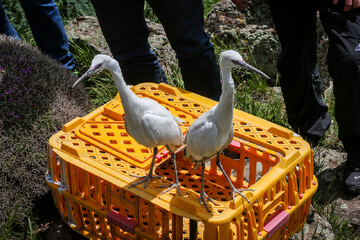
{"type": "Point", "coordinates": [9, 230]}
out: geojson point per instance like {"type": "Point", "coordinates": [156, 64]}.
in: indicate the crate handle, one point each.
{"type": "Point", "coordinates": [235, 144]}
{"type": "Point", "coordinates": [276, 222]}
{"type": "Point", "coordinates": [121, 221]}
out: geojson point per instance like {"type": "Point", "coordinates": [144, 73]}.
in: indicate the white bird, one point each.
{"type": "Point", "coordinates": [148, 122]}
{"type": "Point", "coordinates": [213, 131]}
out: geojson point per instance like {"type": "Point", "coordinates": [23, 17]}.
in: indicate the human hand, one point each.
{"type": "Point", "coordinates": [242, 3]}
{"type": "Point", "coordinates": [349, 4]}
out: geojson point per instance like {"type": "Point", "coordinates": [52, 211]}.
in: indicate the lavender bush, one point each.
{"type": "Point", "coordinates": [36, 99]}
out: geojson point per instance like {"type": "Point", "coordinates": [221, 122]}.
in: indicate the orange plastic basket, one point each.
{"type": "Point", "coordinates": [91, 159]}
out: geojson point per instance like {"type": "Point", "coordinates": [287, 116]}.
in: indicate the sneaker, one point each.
{"type": "Point", "coordinates": [352, 179]}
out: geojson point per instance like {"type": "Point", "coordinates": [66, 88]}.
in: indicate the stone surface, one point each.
{"type": "Point", "coordinates": [330, 177]}
{"type": "Point", "coordinates": [161, 47]}
{"type": "Point", "coordinates": [316, 227]}
{"type": "Point", "coordinates": [87, 29]}
{"type": "Point", "coordinates": [255, 37]}
{"type": "Point", "coordinates": [253, 31]}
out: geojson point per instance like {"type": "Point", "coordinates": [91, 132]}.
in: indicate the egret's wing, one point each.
{"type": "Point", "coordinates": [158, 109]}
{"type": "Point", "coordinates": [162, 130]}
{"type": "Point", "coordinates": [201, 139]}
{"type": "Point", "coordinates": [153, 106]}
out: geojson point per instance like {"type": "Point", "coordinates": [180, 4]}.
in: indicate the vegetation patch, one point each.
{"type": "Point", "coordinates": [36, 99]}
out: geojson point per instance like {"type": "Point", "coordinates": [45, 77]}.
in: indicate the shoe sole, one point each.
{"type": "Point", "coordinates": [352, 190]}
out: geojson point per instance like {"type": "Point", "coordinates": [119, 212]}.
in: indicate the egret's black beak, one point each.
{"type": "Point", "coordinates": [251, 68]}
{"type": "Point", "coordinates": [88, 72]}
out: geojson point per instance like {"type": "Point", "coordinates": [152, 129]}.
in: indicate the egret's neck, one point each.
{"type": "Point", "coordinates": [127, 96]}
{"type": "Point", "coordinates": [224, 111]}
{"type": "Point", "coordinates": [227, 96]}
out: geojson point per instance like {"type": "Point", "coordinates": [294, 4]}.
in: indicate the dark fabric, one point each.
{"type": "Point", "coordinates": [126, 32]}
{"type": "Point", "coordinates": [47, 28]}
{"type": "Point", "coordinates": [300, 80]}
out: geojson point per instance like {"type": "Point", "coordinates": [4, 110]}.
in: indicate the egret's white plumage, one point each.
{"type": "Point", "coordinates": [213, 131]}
{"type": "Point", "coordinates": [148, 122]}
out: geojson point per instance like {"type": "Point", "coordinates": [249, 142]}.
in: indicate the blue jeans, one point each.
{"type": "Point", "coordinates": [123, 25]}
{"type": "Point", "coordinates": [47, 28]}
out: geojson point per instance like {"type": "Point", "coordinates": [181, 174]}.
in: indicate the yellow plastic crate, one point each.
{"type": "Point", "coordinates": [90, 160]}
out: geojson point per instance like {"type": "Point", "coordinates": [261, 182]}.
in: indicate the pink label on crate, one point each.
{"type": "Point", "coordinates": [235, 144]}
{"type": "Point", "coordinates": [276, 222]}
{"type": "Point", "coordinates": [121, 221]}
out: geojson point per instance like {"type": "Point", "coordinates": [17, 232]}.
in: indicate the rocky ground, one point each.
{"type": "Point", "coordinates": [253, 30]}
{"type": "Point", "coordinates": [344, 206]}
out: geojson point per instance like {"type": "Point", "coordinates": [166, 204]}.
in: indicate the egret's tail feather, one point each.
{"type": "Point", "coordinates": [179, 120]}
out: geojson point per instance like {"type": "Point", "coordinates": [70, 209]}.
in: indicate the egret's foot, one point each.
{"type": "Point", "coordinates": [202, 200]}
{"type": "Point", "coordinates": [238, 191]}
{"type": "Point", "coordinates": [146, 178]}
{"type": "Point", "coordinates": [170, 187]}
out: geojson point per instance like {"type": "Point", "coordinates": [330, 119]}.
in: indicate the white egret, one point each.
{"type": "Point", "coordinates": [213, 131]}
{"type": "Point", "coordinates": [148, 122]}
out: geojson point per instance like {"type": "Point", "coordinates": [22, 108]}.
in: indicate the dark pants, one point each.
{"type": "Point", "coordinates": [300, 81]}
{"type": "Point", "coordinates": [47, 28]}
{"type": "Point", "coordinates": [123, 25]}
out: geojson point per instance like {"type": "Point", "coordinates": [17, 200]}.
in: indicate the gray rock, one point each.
{"type": "Point", "coordinates": [330, 174]}
{"type": "Point", "coordinates": [316, 227]}
{"type": "Point", "coordinates": [87, 29]}
{"type": "Point", "coordinates": [249, 29]}
{"type": "Point", "coordinates": [252, 29]}
{"type": "Point", "coordinates": [348, 209]}
{"type": "Point", "coordinates": [328, 169]}
{"type": "Point", "coordinates": [161, 47]}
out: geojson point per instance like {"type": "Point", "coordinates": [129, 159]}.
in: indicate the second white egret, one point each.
{"type": "Point", "coordinates": [213, 131]}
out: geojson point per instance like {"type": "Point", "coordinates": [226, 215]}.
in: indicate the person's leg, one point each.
{"type": "Point", "coordinates": [183, 21]}
{"type": "Point", "coordinates": [300, 80]}
{"type": "Point", "coordinates": [123, 25]}
{"type": "Point", "coordinates": [5, 26]}
{"type": "Point", "coordinates": [48, 30]}
{"type": "Point", "coordinates": [343, 60]}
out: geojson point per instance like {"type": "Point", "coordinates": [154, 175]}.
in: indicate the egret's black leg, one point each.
{"type": "Point", "coordinates": [150, 176]}
{"type": "Point", "coordinates": [202, 192]}
{"type": "Point", "coordinates": [177, 183]}
{"type": "Point", "coordinates": [234, 190]}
